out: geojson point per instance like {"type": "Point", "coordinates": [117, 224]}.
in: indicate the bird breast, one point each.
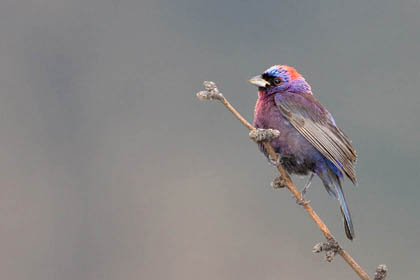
{"type": "Point", "coordinates": [290, 143]}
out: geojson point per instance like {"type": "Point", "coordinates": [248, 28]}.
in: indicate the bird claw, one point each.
{"type": "Point", "coordinates": [274, 162]}
{"type": "Point", "coordinates": [278, 182]}
{"type": "Point", "coordinates": [302, 202]}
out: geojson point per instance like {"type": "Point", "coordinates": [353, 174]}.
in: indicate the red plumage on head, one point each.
{"type": "Point", "coordinates": [294, 75]}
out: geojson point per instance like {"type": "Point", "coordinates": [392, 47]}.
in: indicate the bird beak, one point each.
{"type": "Point", "coordinates": [258, 81]}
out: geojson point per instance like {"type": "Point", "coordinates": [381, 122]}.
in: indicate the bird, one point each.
{"type": "Point", "coordinates": [310, 142]}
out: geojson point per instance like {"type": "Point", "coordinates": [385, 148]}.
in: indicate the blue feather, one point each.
{"type": "Point", "coordinates": [334, 168]}
{"type": "Point", "coordinates": [332, 184]}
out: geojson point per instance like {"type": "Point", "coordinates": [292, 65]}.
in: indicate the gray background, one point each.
{"type": "Point", "coordinates": [111, 169]}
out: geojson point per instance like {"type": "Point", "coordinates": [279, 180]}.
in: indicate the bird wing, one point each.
{"type": "Point", "coordinates": [316, 124]}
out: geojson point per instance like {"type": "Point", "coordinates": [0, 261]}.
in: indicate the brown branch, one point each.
{"type": "Point", "coordinates": [212, 93]}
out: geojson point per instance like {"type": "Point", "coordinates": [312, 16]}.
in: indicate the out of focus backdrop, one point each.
{"type": "Point", "coordinates": [110, 168]}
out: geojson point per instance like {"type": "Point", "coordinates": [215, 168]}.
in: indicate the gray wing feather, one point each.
{"type": "Point", "coordinates": [315, 123]}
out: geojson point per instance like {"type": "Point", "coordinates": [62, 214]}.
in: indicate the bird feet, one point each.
{"type": "Point", "coordinates": [274, 162]}
{"type": "Point", "coordinates": [261, 135]}
{"type": "Point", "coordinates": [278, 182]}
{"type": "Point", "coordinates": [302, 202]}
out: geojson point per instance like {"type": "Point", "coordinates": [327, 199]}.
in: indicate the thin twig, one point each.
{"type": "Point", "coordinates": [212, 93]}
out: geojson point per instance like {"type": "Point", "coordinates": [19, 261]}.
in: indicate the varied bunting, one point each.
{"type": "Point", "coordinates": [310, 142]}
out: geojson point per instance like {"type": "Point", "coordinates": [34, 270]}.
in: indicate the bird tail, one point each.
{"type": "Point", "coordinates": [348, 224]}
{"type": "Point", "coordinates": [333, 186]}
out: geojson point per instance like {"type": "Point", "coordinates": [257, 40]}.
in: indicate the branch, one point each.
{"type": "Point", "coordinates": [331, 247]}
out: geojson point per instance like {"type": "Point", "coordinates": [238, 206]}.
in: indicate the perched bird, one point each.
{"type": "Point", "coordinates": [310, 141]}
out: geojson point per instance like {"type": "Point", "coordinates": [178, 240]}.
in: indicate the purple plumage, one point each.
{"type": "Point", "coordinates": [309, 141]}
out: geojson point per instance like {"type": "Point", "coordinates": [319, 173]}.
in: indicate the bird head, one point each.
{"type": "Point", "coordinates": [280, 78]}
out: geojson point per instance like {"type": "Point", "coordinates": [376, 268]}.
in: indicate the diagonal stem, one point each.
{"type": "Point", "coordinates": [212, 94]}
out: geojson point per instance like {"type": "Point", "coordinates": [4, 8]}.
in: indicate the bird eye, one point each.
{"type": "Point", "coordinates": [277, 81]}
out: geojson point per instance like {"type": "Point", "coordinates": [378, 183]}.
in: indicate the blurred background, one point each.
{"type": "Point", "coordinates": [110, 168]}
